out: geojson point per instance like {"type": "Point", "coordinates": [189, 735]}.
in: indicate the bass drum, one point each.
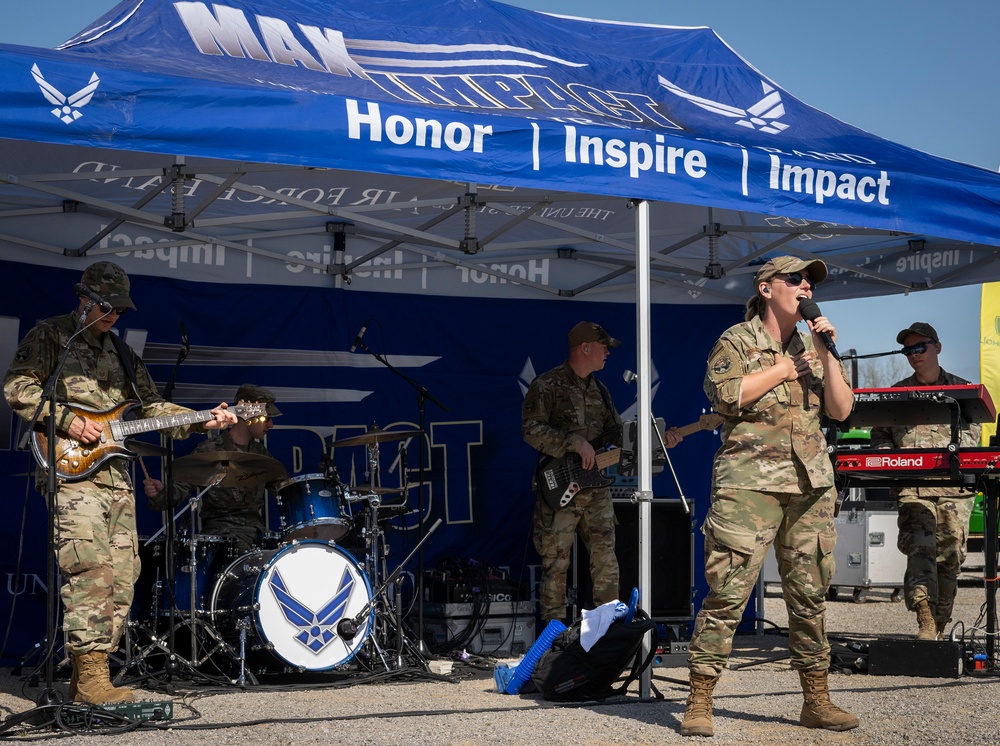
{"type": "Point", "coordinates": [290, 601]}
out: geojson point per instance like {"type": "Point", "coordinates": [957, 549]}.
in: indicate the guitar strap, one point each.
{"type": "Point", "coordinates": [128, 361]}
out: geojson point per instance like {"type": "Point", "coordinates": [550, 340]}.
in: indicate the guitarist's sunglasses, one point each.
{"type": "Point", "coordinates": [120, 310]}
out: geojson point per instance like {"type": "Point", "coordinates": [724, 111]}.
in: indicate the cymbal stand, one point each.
{"type": "Point", "coordinates": [348, 627]}
{"type": "Point", "coordinates": [192, 567]}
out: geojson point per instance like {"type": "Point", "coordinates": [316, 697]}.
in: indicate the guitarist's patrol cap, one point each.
{"type": "Point", "coordinates": [587, 331]}
{"type": "Point", "coordinates": [252, 394]}
{"type": "Point", "coordinates": [110, 282]}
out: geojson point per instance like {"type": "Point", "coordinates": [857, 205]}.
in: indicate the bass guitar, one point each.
{"type": "Point", "coordinates": [559, 479]}
{"type": "Point", "coordinates": [76, 460]}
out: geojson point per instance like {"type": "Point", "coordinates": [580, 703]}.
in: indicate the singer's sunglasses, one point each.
{"type": "Point", "coordinates": [120, 310]}
{"type": "Point", "coordinates": [795, 279]}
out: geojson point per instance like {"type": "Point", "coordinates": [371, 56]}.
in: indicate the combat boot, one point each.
{"type": "Point", "coordinates": [93, 683]}
{"type": "Point", "coordinates": [925, 621]}
{"type": "Point", "coordinates": [941, 629]}
{"type": "Point", "coordinates": [817, 709]}
{"type": "Point", "coordinates": [698, 713]}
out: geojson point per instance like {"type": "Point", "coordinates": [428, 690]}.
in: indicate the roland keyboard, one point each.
{"type": "Point", "coordinates": [915, 467]}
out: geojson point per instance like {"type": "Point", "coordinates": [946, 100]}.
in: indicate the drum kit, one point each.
{"type": "Point", "coordinates": [299, 601]}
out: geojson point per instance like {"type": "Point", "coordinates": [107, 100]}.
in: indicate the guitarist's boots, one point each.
{"type": "Point", "coordinates": [94, 682]}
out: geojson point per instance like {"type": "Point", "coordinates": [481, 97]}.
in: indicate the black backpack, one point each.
{"type": "Point", "coordinates": [567, 673]}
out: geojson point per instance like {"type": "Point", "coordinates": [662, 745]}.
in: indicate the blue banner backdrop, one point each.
{"type": "Point", "coordinates": [476, 356]}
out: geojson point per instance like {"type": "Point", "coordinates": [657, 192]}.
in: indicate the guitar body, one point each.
{"type": "Point", "coordinates": [560, 479]}
{"type": "Point", "coordinates": [76, 460]}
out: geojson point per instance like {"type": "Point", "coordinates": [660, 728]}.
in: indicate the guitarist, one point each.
{"type": "Point", "coordinates": [568, 410]}
{"type": "Point", "coordinates": [96, 537]}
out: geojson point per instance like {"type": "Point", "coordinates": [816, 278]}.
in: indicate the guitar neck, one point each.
{"type": "Point", "coordinates": [605, 459]}
{"type": "Point", "coordinates": [122, 429]}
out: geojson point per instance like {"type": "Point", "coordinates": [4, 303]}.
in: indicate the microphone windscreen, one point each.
{"type": "Point", "coordinates": [809, 309]}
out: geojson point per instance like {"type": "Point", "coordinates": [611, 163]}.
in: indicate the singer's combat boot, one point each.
{"type": "Point", "coordinates": [817, 709]}
{"type": "Point", "coordinates": [94, 682]}
{"type": "Point", "coordinates": [925, 620]}
{"type": "Point", "coordinates": [698, 713]}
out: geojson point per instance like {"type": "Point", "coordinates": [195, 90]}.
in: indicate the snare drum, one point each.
{"type": "Point", "coordinates": [212, 554]}
{"type": "Point", "coordinates": [290, 601]}
{"type": "Point", "coordinates": [311, 507]}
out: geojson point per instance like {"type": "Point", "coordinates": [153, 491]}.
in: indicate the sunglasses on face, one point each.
{"type": "Point", "coordinates": [795, 279]}
{"type": "Point", "coordinates": [917, 349]}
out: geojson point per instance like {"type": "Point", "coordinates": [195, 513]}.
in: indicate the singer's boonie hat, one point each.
{"type": "Point", "coordinates": [110, 282]}
{"type": "Point", "coordinates": [587, 331]}
{"type": "Point", "coordinates": [917, 327]}
{"type": "Point", "coordinates": [252, 394]}
{"type": "Point", "coordinates": [784, 265]}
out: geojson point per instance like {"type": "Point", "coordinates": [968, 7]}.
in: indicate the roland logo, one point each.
{"type": "Point", "coordinates": [894, 462]}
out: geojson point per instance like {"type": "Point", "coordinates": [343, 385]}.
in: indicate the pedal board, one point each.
{"type": "Point", "coordinates": [135, 711]}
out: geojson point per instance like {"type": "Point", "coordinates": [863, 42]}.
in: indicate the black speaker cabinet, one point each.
{"type": "Point", "coordinates": [671, 559]}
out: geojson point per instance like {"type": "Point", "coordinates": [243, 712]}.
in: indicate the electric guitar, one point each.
{"type": "Point", "coordinates": [76, 460]}
{"type": "Point", "coordinates": [559, 479]}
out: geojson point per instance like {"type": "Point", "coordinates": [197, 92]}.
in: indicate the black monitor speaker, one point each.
{"type": "Point", "coordinates": [671, 559]}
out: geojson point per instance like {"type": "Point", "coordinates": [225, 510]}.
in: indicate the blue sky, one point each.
{"type": "Point", "coordinates": [920, 72]}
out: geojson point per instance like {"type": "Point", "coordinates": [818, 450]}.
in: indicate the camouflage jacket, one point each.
{"type": "Point", "coordinates": [928, 436]}
{"type": "Point", "coordinates": [93, 377]}
{"type": "Point", "coordinates": [562, 410]}
{"type": "Point", "coordinates": [766, 445]}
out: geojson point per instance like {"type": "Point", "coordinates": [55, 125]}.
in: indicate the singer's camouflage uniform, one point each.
{"type": "Point", "coordinates": [772, 481]}
{"type": "Point", "coordinates": [561, 410]}
{"type": "Point", "coordinates": [933, 521]}
{"type": "Point", "coordinates": [95, 517]}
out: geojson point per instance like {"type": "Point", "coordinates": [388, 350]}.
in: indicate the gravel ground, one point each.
{"type": "Point", "coordinates": [756, 703]}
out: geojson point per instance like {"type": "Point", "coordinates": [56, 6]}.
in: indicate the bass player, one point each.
{"type": "Point", "coordinates": [568, 410]}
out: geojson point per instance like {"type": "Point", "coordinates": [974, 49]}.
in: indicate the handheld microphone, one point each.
{"type": "Point", "coordinates": [357, 339]}
{"type": "Point", "coordinates": [84, 292]}
{"type": "Point", "coordinates": [809, 311]}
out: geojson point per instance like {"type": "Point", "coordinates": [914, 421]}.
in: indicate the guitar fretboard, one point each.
{"type": "Point", "coordinates": [128, 428]}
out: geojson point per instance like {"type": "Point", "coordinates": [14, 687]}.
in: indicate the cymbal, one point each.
{"type": "Point", "coordinates": [376, 436]}
{"type": "Point", "coordinates": [240, 469]}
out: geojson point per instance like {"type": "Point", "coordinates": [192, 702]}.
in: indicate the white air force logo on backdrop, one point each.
{"type": "Point", "coordinates": [67, 107]}
{"type": "Point", "coordinates": [762, 115]}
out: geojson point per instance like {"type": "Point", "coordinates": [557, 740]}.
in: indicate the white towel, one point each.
{"type": "Point", "coordinates": [596, 622]}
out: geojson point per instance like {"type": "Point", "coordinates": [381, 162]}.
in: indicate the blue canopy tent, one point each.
{"type": "Point", "coordinates": [275, 172]}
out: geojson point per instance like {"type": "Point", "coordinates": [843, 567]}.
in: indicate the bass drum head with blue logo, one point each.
{"type": "Point", "coordinates": [294, 597]}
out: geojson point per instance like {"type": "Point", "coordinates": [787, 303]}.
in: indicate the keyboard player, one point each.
{"type": "Point", "coordinates": [933, 521]}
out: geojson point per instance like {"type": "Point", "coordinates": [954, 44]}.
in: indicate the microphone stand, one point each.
{"type": "Point", "coordinates": [422, 396]}
{"type": "Point", "coordinates": [172, 666]}
{"type": "Point", "coordinates": [48, 695]}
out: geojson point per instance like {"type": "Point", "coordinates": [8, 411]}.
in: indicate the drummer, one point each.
{"type": "Point", "coordinates": [235, 512]}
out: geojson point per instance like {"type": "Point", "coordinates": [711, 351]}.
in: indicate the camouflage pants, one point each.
{"type": "Point", "coordinates": [98, 559]}
{"type": "Point", "coordinates": [932, 534]}
{"type": "Point", "coordinates": [740, 528]}
{"type": "Point", "coordinates": [592, 515]}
